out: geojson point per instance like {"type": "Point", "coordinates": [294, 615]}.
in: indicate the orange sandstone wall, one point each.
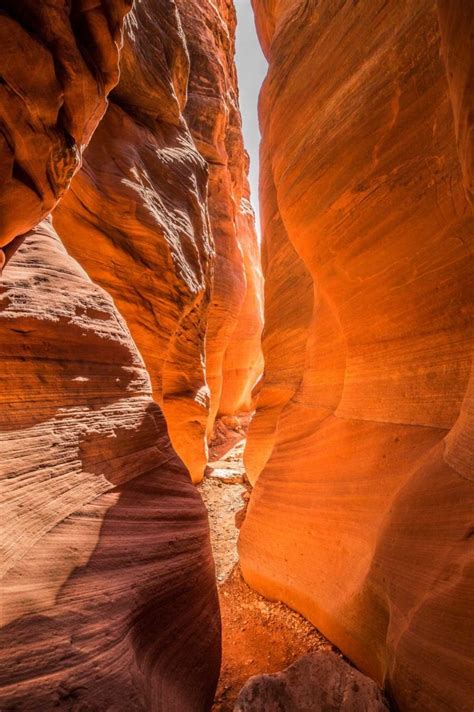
{"type": "Point", "coordinates": [59, 61]}
{"type": "Point", "coordinates": [136, 219]}
{"type": "Point", "coordinates": [361, 448]}
{"type": "Point", "coordinates": [243, 361]}
{"type": "Point", "coordinates": [233, 351]}
{"type": "Point", "coordinates": [108, 591]}
{"type": "Point", "coordinates": [146, 223]}
{"type": "Point", "coordinates": [108, 594]}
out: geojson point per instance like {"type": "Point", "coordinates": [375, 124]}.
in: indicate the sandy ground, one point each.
{"type": "Point", "coordinates": [258, 635]}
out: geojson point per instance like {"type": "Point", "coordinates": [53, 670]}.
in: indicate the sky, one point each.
{"type": "Point", "coordinates": [251, 70]}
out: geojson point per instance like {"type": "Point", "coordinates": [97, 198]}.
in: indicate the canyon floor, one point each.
{"type": "Point", "coordinates": [258, 635]}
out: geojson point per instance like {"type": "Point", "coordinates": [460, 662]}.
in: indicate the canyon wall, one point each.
{"type": "Point", "coordinates": [59, 61]}
{"type": "Point", "coordinates": [361, 448]}
{"type": "Point", "coordinates": [163, 240]}
{"type": "Point", "coordinates": [136, 218]}
{"type": "Point", "coordinates": [233, 351]}
{"type": "Point", "coordinates": [108, 590]}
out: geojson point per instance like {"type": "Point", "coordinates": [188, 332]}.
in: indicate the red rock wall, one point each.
{"type": "Point", "coordinates": [157, 259]}
{"type": "Point", "coordinates": [52, 95]}
{"type": "Point", "coordinates": [243, 361]}
{"type": "Point", "coordinates": [234, 324]}
{"type": "Point", "coordinates": [361, 517]}
{"type": "Point", "coordinates": [108, 590]}
{"type": "Point", "coordinates": [136, 219]}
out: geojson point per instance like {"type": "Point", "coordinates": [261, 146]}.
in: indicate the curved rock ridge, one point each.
{"type": "Point", "coordinates": [108, 591]}
{"type": "Point", "coordinates": [361, 448]}
{"type": "Point", "coordinates": [234, 324]}
{"type": "Point", "coordinates": [136, 219]}
{"type": "Point", "coordinates": [51, 99]}
{"type": "Point", "coordinates": [243, 359]}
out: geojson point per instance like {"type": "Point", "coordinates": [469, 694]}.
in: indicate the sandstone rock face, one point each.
{"type": "Point", "coordinates": [136, 219]}
{"type": "Point", "coordinates": [243, 360]}
{"type": "Point", "coordinates": [108, 594]}
{"type": "Point", "coordinates": [361, 448]}
{"type": "Point", "coordinates": [52, 95]}
{"type": "Point", "coordinates": [318, 682]}
{"type": "Point", "coordinates": [233, 351]}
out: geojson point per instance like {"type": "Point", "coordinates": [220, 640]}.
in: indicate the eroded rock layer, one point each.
{"type": "Point", "coordinates": [108, 594]}
{"type": "Point", "coordinates": [361, 517]}
{"type": "Point", "coordinates": [234, 324]}
{"type": "Point", "coordinates": [137, 216]}
{"type": "Point", "coordinates": [58, 62]}
{"type": "Point", "coordinates": [136, 219]}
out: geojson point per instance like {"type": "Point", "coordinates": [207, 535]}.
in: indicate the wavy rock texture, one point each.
{"type": "Point", "coordinates": [233, 351]}
{"type": "Point", "coordinates": [108, 594]}
{"type": "Point", "coordinates": [108, 588]}
{"type": "Point", "coordinates": [136, 219]}
{"type": "Point", "coordinates": [361, 517]}
{"type": "Point", "coordinates": [155, 259]}
{"type": "Point", "coordinates": [51, 98]}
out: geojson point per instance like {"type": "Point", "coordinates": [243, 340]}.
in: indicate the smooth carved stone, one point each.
{"type": "Point", "coordinates": [288, 314]}
{"type": "Point", "coordinates": [243, 360]}
{"type": "Point", "coordinates": [58, 61]}
{"type": "Point", "coordinates": [136, 218]}
{"type": "Point", "coordinates": [456, 22]}
{"type": "Point", "coordinates": [318, 682]}
{"type": "Point", "coordinates": [361, 448]}
{"type": "Point", "coordinates": [107, 580]}
{"type": "Point", "coordinates": [234, 324]}
{"type": "Point", "coordinates": [162, 250]}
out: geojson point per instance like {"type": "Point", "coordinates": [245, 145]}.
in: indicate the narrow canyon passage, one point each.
{"type": "Point", "coordinates": [236, 457]}
{"type": "Point", "coordinates": [258, 635]}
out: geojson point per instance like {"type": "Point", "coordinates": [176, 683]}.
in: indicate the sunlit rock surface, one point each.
{"type": "Point", "coordinates": [233, 351]}
{"type": "Point", "coordinates": [58, 62]}
{"type": "Point", "coordinates": [137, 216]}
{"type": "Point", "coordinates": [361, 449]}
{"type": "Point", "coordinates": [136, 219]}
{"type": "Point", "coordinates": [108, 594]}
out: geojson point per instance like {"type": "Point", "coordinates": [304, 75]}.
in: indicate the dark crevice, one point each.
{"type": "Point", "coordinates": [21, 175]}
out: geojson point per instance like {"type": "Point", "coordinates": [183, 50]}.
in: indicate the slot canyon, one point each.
{"type": "Point", "coordinates": [237, 472]}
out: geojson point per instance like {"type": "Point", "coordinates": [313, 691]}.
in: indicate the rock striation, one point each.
{"type": "Point", "coordinates": [361, 447]}
{"type": "Point", "coordinates": [183, 241]}
{"type": "Point", "coordinates": [136, 218]}
{"type": "Point", "coordinates": [108, 590]}
{"type": "Point", "coordinates": [234, 323]}
{"type": "Point", "coordinates": [52, 96]}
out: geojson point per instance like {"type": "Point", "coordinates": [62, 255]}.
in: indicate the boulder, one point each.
{"type": "Point", "coordinates": [317, 682]}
